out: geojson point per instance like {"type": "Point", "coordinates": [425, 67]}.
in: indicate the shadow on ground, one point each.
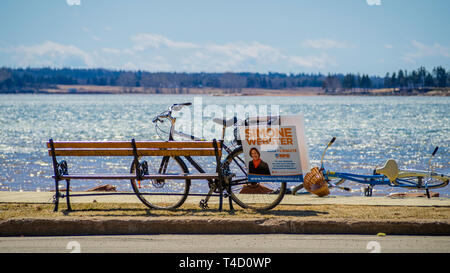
{"type": "Point", "coordinates": [140, 212]}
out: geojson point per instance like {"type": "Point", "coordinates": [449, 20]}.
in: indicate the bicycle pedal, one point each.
{"type": "Point", "coordinates": [203, 204]}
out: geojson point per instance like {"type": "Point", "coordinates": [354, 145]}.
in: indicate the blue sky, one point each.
{"type": "Point", "coordinates": [289, 36]}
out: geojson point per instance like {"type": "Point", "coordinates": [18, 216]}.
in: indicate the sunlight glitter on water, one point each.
{"type": "Point", "coordinates": [369, 131]}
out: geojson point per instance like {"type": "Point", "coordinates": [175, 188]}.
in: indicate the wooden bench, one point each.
{"type": "Point", "coordinates": [134, 149]}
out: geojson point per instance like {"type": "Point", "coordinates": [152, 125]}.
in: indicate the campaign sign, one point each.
{"type": "Point", "coordinates": [275, 153]}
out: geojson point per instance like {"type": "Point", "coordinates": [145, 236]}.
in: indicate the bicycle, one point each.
{"type": "Point", "coordinates": [388, 175]}
{"type": "Point", "coordinates": [170, 194]}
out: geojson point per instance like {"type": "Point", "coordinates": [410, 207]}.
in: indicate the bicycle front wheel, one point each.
{"type": "Point", "coordinates": [163, 193]}
{"type": "Point", "coordinates": [256, 196]}
{"type": "Point", "coordinates": [418, 180]}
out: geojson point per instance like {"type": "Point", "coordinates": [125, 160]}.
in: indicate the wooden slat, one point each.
{"type": "Point", "coordinates": [91, 144]}
{"type": "Point", "coordinates": [127, 144]}
{"type": "Point", "coordinates": [129, 152]}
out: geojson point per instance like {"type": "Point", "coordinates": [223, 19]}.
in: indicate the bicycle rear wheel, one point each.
{"type": "Point", "coordinates": [416, 180]}
{"type": "Point", "coordinates": [163, 193]}
{"type": "Point", "coordinates": [256, 196]}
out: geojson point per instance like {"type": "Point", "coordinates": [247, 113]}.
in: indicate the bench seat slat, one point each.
{"type": "Point", "coordinates": [127, 144]}
{"type": "Point", "coordinates": [129, 152]}
{"type": "Point", "coordinates": [132, 176]}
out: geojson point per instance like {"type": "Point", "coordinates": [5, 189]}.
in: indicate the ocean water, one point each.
{"type": "Point", "coordinates": [369, 131]}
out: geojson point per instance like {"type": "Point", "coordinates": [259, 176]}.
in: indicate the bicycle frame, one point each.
{"type": "Point", "coordinates": [399, 180]}
{"type": "Point", "coordinates": [172, 132]}
{"type": "Point", "coordinates": [364, 179]}
{"type": "Point", "coordinates": [375, 179]}
{"type": "Point", "coordinates": [269, 120]}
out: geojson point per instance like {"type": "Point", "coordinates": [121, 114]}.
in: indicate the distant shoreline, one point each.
{"type": "Point", "coordinates": [305, 91]}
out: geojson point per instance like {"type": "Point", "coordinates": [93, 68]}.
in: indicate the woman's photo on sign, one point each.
{"type": "Point", "coordinates": [257, 165]}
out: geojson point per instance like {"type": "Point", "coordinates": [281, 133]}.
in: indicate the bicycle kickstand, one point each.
{"type": "Point", "coordinates": [368, 190]}
{"type": "Point", "coordinates": [427, 190]}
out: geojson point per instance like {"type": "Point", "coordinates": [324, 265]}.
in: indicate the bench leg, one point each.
{"type": "Point", "coordinates": [230, 200]}
{"type": "Point", "coordinates": [220, 196]}
{"type": "Point", "coordinates": [69, 208]}
{"type": "Point", "coordinates": [56, 197]}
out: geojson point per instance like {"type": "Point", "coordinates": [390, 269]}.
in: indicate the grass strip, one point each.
{"type": "Point", "coordinates": [306, 212]}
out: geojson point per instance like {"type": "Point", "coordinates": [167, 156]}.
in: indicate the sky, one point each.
{"type": "Point", "coordinates": [286, 36]}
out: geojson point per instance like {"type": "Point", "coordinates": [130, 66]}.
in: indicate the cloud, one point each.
{"type": "Point", "coordinates": [243, 51]}
{"type": "Point", "coordinates": [52, 54]}
{"type": "Point", "coordinates": [422, 51]}
{"type": "Point", "coordinates": [111, 50]}
{"type": "Point", "coordinates": [198, 57]}
{"type": "Point", "coordinates": [154, 52]}
{"type": "Point", "coordinates": [318, 62]}
{"type": "Point", "coordinates": [73, 2]}
{"type": "Point", "coordinates": [232, 56]}
{"type": "Point", "coordinates": [144, 41]}
{"type": "Point", "coordinates": [253, 56]}
{"type": "Point", "coordinates": [373, 2]}
{"type": "Point", "coordinates": [323, 44]}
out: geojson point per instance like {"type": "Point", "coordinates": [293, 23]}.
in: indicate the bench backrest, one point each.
{"type": "Point", "coordinates": [125, 148]}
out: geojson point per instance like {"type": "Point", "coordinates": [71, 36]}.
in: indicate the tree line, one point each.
{"type": "Point", "coordinates": [397, 80]}
{"type": "Point", "coordinates": [34, 79]}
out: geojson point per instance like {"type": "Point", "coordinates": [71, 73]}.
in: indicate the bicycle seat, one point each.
{"type": "Point", "coordinates": [225, 122]}
{"type": "Point", "coordinates": [390, 170]}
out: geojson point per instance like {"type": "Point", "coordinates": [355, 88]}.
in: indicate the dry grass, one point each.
{"type": "Point", "coordinates": [306, 212]}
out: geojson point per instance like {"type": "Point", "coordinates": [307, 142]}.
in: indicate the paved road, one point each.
{"type": "Point", "coordinates": [273, 243]}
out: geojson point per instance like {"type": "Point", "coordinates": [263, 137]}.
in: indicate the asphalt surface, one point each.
{"type": "Point", "coordinates": [250, 243]}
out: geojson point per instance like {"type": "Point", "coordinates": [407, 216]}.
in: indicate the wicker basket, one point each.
{"type": "Point", "coordinates": [314, 182]}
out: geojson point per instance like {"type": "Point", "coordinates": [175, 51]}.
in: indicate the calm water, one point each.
{"type": "Point", "coordinates": [369, 131]}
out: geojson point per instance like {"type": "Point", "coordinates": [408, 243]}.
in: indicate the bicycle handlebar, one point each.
{"type": "Point", "coordinates": [324, 151]}
{"type": "Point", "coordinates": [269, 120]}
{"type": "Point", "coordinates": [168, 113]}
{"type": "Point", "coordinates": [178, 106]}
{"type": "Point", "coordinates": [435, 151]}
{"type": "Point", "coordinates": [332, 141]}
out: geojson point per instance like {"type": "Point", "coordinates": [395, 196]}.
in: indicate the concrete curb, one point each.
{"type": "Point", "coordinates": [70, 227]}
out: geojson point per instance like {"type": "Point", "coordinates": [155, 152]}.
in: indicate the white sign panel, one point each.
{"type": "Point", "coordinates": [275, 152]}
